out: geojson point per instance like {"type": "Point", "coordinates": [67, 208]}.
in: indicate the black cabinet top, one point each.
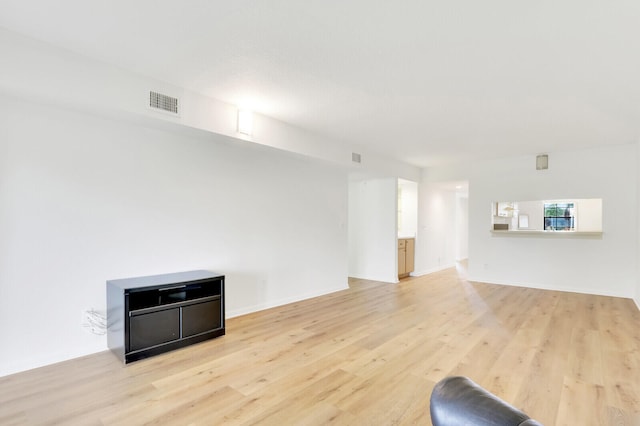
{"type": "Point", "coordinates": [164, 279]}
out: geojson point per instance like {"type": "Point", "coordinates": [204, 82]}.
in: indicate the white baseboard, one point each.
{"type": "Point", "coordinates": [553, 288]}
{"type": "Point", "coordinates": [43, 358]}
{"type": "Point", "coordinates": [432, 270]}
{"type": "Point", "coordinates": [272, 304]}
{"type": "Point", "coordinates": [380, 279]}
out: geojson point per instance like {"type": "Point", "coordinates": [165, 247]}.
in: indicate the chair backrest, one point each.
{"type": "Point", "coordinates": [457, 401]}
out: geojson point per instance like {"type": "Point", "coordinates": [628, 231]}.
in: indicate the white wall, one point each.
{"type": "Point", "coordinates": [90, 191]}
{"type": "Point", "coordinates": [436, 240]}
{"type": "Point", "coordinates": [35, 70]}
{"type": "Point", "coordinates": [462, 226]}
{"type": "Point", "coordinates": [85, 199]}
{"type": "Point", "coordinates": [589, 216]}
{"type": "Point", "coordinates": [605, 265]}
{"type": "Point", "coordinates": [637, 179]}
{"type": "Point", "coordinates": [408, 208]}
{"type": "Point", "coordinates": [373, 249]}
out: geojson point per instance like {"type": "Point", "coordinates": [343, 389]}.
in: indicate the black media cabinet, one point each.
{"type": "Point", "coordinates": [150, 315]}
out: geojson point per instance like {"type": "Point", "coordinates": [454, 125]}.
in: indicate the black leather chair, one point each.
{"type": "Point", "coordinates": [458, 401]}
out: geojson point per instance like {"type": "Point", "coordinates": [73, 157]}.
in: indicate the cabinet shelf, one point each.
{"type": "Point", "coordinates": [174, 305]}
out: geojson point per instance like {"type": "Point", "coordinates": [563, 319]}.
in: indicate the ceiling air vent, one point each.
{"type": "Point", "coordinates": [164, 103]}
{"type": "Point", "coordinates": [356, 158]}
{"type": "Point", "coordinates": [542, 162]}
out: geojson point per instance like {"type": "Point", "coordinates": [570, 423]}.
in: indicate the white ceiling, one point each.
{"type": "Point", "coordinates": [422, 81]}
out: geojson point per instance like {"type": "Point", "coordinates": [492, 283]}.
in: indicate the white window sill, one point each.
{"type": "Point", "coordinates": [547, 233]}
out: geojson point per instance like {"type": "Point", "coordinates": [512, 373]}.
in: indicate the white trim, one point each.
{"type": "Point", "coordinates": [637, 302]}
{"type": "Point", "coordinates": [44, 358]}
{"type": "Point", "coordinates": [272, 304]}
{"type": "Point", "coordinates": [432, 270]}
{"type": "Point", "coordinates": [564, 234]}
{"type": "Point", "coordinates": [389, 280]}
{"type": "Point", "coordinates": [553, 288]}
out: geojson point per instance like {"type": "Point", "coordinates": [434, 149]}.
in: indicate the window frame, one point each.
{"type": "Point", "coordinates": [555, 212]}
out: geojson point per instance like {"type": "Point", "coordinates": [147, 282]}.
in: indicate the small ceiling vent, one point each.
{"type": "Point", "coordinates": [356, 158]}
{"type": "Point", "coordinates": [165, 103]}
{"type": "Point", "coordinates": [542, 162]}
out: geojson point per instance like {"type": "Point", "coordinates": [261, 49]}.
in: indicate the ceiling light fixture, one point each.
{"type": "Point", "coordinates": [245, 122]}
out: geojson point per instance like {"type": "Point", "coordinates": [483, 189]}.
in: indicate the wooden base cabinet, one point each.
{"type": "Point", "coordinates": [150, 315]}
{"type": "Point", "coordinates": [406, 249]}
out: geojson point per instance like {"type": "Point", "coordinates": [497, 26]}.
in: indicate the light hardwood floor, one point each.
{"type": "Point", "coordinates": [369, 355]}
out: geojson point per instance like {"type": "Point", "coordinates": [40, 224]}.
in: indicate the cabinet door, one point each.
{"type": "Point", "coordinates": [201, 317]}
{"type": "Point", "coordinates": [402, 255]}
{"type": "Point", "coordinates": [154, 328]}
{"type": "Point", "coordinates": [409, 260]}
